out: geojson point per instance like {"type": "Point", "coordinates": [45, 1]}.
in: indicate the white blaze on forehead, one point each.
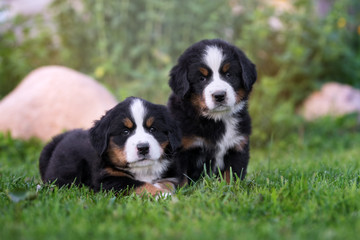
{"type": "Point", "coordinates": [138, 112]}
{"type": "Point", "coordinates": [213, 58]}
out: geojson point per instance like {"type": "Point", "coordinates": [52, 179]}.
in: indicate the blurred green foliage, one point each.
{"type": "Point", "coordinates": [130, 46]}
{"type": "Point", "coordinates": [19, 156]}
{"type": "Point", "coordinates": [296, 58]}
{"type": "Point", "coordinates": [21, 54]}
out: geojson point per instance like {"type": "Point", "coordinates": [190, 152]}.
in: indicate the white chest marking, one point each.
{"type": "Point", "coordinates": [230, 139]}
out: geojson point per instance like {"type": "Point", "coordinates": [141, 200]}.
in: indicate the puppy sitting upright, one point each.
{"type": "Point", "coordinates": [211, 84]}
{"type": "Point", "coordinates": [131, 146]}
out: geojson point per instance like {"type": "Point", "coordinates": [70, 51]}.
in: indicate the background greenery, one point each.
{"type": "Point", "coordinates": [303, 180]}
{"type": "Point", "coordinates": [130, 46]}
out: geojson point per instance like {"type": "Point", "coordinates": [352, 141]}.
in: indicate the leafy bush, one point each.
{"type": "Point", "coordinates": [130, 46]}
{"type": "Point", "coordinates": [295, 57]}
{"type": "Point", "coordinates": [14, 152]}
{"type": "Point", "coordinates": [21, 54]}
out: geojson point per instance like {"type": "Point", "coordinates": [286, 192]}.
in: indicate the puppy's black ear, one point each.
{"type": "Point", "coordinates": [179, 81]}
{"type": "Point", "coordinates": [248, 69]}
{"type": "Point", "coordinates": [99, 134]}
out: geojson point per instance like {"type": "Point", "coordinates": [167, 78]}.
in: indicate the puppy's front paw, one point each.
{"type": "Point", "coordinates": [153, 189]}
{"type": "Point", "coordinates": [166, 186]}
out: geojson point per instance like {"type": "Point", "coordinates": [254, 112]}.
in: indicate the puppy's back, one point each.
{"type": "Point", "coordinates": [47, 152]}
{"type": "Point", "coordinates": [69, 158]}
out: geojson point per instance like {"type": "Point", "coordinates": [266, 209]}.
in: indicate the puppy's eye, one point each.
{"type": "Point", "coordinates": [125, 132]}
{"type": "Point", "coordinates": [152, 129]}
{"type": "Point", "coordinates": [202, 79]}
{"type": "Point", "coordinates": [227, 75]}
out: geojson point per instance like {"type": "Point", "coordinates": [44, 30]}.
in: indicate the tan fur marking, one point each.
{"type": "Point", "coordinates": [226, 176]}
{"type": "Point", "coordinates": [167, 185]}
{"type": "Point", "coordinates": [226, 67]}
{"type": "Point", "coordinates": [204, 71]}
{"type": "Point", "coordinates": [149, 121]}
{"type": "Point", "coordinates": [199, 103]}
{"type": "Point", "coordinates": [240, 147]}
{"type": "Point", "coordinates": [187, 142]}
{"type": "Point", "coordinates": [116, 154]}
{"type": "Point", "coordinates": [128, 123]}
{"type": "Point", "coordinates": [164, 144]}
{"type": "Point", "coordinates": [116, 173]}
{"type": "Point", "coordinates": [184, 182]}
{"type": "Point", "coordinates": [148, 188]}
{"type": "Point", "coordinates": [240, 94]}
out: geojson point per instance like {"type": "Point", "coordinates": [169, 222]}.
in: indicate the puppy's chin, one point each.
{"type": "Point", "coordinates": [217, 114]}
{"type": "Point", "coordinates": [142, 163]}
{"type": "Point", "coordinates": [222, 111]}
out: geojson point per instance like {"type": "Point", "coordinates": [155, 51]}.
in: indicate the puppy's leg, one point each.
{"type": "Point", "coordinates": [227, 175]}
{"type": "Point", "coordinates": [237, 161]}
{"type": "Point", "coordinates": [188, 162]}
{"type": "Point", "coordinates": [122, 181]}
{"type": "Point", "coordinates": [168, 184]}
{"type": "Point", "coordinates": [154, 189]}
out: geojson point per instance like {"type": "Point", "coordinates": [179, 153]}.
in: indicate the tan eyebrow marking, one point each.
{"type": "Point", "coordinates": [128, 123]}
{"type": "Point", "coordinates": [149, 121]}
{"type": "Point", "coordinates": [204, 71]}
{"type": "Point", "coordinates": [226, 67]}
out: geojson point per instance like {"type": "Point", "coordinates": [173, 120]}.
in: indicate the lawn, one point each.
{"type": "Point", "coordinates": [306, 186]}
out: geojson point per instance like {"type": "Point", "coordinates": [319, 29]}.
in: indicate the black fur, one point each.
{"type": "Point", "coordinates": [81, 156]}
{"type": "Point", "coordinates": [185, 84]}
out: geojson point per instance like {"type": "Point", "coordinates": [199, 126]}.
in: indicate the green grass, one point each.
{"type": "Point", "coordinates": [298, 188]}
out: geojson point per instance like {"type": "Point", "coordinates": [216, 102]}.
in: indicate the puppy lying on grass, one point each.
{"type": "Point", "coordinates": [130, 147]}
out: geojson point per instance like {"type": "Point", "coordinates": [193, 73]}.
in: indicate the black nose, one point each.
{"type": "Point", "coordinates": [219, 96]}
{"type": "Point", "coordinates": [143, 148]}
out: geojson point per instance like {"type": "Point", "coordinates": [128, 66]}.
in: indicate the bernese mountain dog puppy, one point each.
{"type": "Point", "coordinates": [131, 146]}
{"type": "Point", "coordinates": [211, 84]}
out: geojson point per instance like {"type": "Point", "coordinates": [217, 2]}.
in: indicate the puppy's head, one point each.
{"type": "Point", "coordinates": [135, 134]}
{"type": "Point", "coordinates": [215, 76]}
